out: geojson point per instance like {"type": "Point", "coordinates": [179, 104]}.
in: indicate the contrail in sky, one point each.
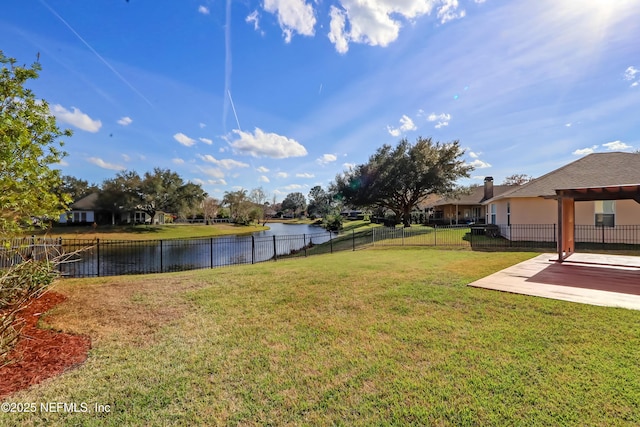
{"type": "Point", "coordinates": [227, 67]}
{"type": "Point", "coordinates": [104, 61]}
{"type": "Point", "coordinates": [234, 110]}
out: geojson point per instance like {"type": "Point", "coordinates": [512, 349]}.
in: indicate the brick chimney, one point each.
{"type": "Point", "coordinates": [488, 187]}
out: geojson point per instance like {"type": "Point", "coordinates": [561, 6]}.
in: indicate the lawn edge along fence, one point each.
{"type": "Point", "coordinates": [104, 257]}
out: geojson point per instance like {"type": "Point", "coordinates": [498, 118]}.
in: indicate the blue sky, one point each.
{"type": "Point", "coordinates": [285, 94]}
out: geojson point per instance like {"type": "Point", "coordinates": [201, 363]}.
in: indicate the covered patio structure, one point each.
{"type": "Point", "coordinates": [588, 278]}
{"type": "Point", "coordinates": [566, 209]}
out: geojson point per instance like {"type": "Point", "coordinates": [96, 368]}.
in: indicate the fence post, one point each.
{"type": "Point", "coordinates": [275, 249]}
{"type": "Point", "coordinates": [353, 239]}
{"type": "Point", "coordinates": [253, 249]}
{"type": "Point", "coordinates": [602, 235]}
{"type": "Point", "coordinates": [435, 234]}
{"type": "Point", "coordinates": [161, 260]}
{"type": "Point", "coordinates": [98, 256]}
{"type": "Point", "coordinates": [211, 250]}
{"type": "Point", "coordinates": [373, 237]}
{"type": "Point", "coordinates": [330, 241]}
{"type": "Point", "coordinates": [304, 242]}
{"type": "Point", "coordinates": [555, 239]}
{"type": "Point", "coordinates": [403, 235]}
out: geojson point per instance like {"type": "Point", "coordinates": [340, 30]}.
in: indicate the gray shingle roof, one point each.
{"type": "Point", "coordinates": [593, 170]}
{"type": "Point", "coordinates": [87, 203]}
{"type": "Point", "coordinates": [476, 196]}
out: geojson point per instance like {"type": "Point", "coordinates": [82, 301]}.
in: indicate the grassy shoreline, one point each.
{"type": "Point", "coordinates": [383, 337]}
{"type": "Point", "coordinates": [149, 232]}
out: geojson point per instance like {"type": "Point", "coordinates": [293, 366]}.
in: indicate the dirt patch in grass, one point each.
{"type": "Point", "coordinates": [128, 312]}
{"type": "Point", "coordinates": [40, 353]}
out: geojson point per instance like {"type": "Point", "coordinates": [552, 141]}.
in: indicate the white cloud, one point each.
{"type": "Point", "coordinates": [206, 141]}
{"type": "Point", "coordinates": [406, 124]}
{"type": "Point", "coordinates": [76, 118]}
{"type": "Point", "coordinates": [348, 166]}
{"type": "Point", "coordinates": [104, 165]}
{"type": "Point", "coordinates": [262, 169]}
{"type": "Point", "coordinates": [479, 164]}
{"type": "Point", "coordinates": [583, 151]}
{"type": "Point", "coordinates": [305, 175]}
{"type": "Point", "coordinates": [184, 139]}
{"type": "Point", "coordinates": [378, 23]}
{"type": "Point", "coordinates": [337, 34]}
{"type": "Point", "coordinates": [474, 155]}
{"type": "Point", "coordinates": [634, 84]}
{"type": "Point", "coordinates": [327, 158]}
{"type": "Point", "coordinates": [126, 158]}
{"type": "Point", "coordinates": [225, 163]}
{"type": "Point", "coordinates": [63, 163]}
{"type": "Point", "coordinates": [263, 179]}
{"type": "Point", "coordinates": [203, 10]}
{"type": "Point", "coordinates": [125, 121]}
{"type": "Point", "coordinates": [282, 175]}
{"type": "Point", "coordinates": [294, 16]}
{"type": "Point", "coordinates": [616, 146]}
{"type": "Point", "coordinates": [630, 73]}
{"type": "Point", "coordinates": [177, 161]}
{"type": "Point", "coordinates": [261, 144]}
{"type": "Point", "coordinates": [213, 172]}
{"type": "Point", "coordinates": [448, 11]}
{"type": "Point", "coordinates": [202, 125]}
{"type": "Point", "coordinates": [293, 187]}
{"type": "Point", "coordinates": [442, 119]}
{"type": "Point", "coordinates": [253, 18]}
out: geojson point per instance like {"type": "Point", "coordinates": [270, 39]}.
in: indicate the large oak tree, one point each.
{"type": "Point", "coordinates": [399, 178]}
{"type": "Point", "coordinates": [29, 151]}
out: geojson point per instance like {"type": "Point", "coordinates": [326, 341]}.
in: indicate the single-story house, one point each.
{"type": "Point", "coordinates": [86, 210]}
{"type": "Point", "coordinates": [535, 203]}
{"type": "Point", "coordinates": [467, 208]}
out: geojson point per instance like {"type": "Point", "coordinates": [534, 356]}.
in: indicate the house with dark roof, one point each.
{"type": "Point", "coordinates": [82, 211]}
{"type": "Point", "coordinates": [468, 207]}
{"type": "Point", "coordinates": [87, 210]}
{"type": "Point", "coordinates": [535, 203]}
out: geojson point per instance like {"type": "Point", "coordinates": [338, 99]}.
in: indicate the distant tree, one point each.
{"type": "Point", "coordinates": [517, 179]}
{"type": "Point", "coordinates": [77, 188]}
{"type": "Point", "coordinates": [239, 205]}
{"type": "Point", "coordinates": [259, 198]}
{"type": "Point", "coordinates": [210, 208]}
{"type": "Point", "coordinates": [399, 178]}
{"type": "Point", "coordinates": [30, 150]}
{"type": "Point", "coordinates": [159, 191]}
{"type": "Point", "coordinates": [294, 202]}
{"type": "Point", "coordinates": [320, 202]}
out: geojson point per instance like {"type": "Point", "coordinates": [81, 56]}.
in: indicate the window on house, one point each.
{"type": "Point", "coordinates": [605, 214]}
{"type": "Point", "coordinates": [508, 213]}
{"type": "Point", "coordinates": [493, 213]}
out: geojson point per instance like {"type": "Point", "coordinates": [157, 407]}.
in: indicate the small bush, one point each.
{"type": "Point", "coordinates": [19, 284]}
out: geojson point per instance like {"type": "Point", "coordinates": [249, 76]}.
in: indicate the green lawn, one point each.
{"type": "Point", "coordinates": [389, 336]}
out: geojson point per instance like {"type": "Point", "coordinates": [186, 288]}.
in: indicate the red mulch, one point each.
{"type": "Point", "coordinates": [41, 354]}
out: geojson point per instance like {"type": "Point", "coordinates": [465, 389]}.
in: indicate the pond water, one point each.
{"type": "Point", "coordinates": [155, 256]}
{"type": "Point", "coordinates": [285, 229]}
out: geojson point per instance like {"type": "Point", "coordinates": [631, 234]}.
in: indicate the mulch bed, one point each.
{"type": "Point", "coordinates": [41, 354]}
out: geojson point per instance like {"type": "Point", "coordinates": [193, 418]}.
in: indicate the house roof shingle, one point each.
{"type": "Point", "coordinates": [86, 203]}
{"type": "Point", "coordinates": [593, 170]}
{"type": "Point", "coordinates": [475, 197]}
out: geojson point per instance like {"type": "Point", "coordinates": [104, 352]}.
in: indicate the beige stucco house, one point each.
{"type": "Point", "coordinates": [535, 203]}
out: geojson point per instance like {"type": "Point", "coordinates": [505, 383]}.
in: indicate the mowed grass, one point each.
{"type": "Point", "coordinates": [389, 336]}
{"type": "Point", "coordinates": [150, 232]}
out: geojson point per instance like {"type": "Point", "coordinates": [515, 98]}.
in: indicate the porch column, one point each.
{"type": "Point", "coordinates": [566, 228]}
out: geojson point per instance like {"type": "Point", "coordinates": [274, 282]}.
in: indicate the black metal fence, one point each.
{"type": "Point", "coordinates": [93, 258]}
